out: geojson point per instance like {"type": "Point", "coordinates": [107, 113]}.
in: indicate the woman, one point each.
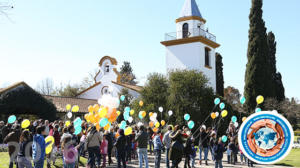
{"type": "Point", "coordinates": [121, 148]}
{"type": "Point", "coordinates": [93, 141]}
{"type": "Point", "coordinates": [177, 148]}
{"type": "Point", "coordinates": [23, 155]}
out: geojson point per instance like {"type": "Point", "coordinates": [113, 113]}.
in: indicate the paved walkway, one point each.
{"type": "Point", "coordinates": [135, 163]}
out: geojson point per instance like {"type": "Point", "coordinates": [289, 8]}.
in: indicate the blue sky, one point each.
{"type": "Point", "coordinates": [64, 40]}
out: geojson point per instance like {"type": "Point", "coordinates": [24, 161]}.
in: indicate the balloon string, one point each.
{"type": "Point", "coordinates": [204, 120]}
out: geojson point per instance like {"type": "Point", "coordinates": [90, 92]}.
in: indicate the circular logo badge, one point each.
{"type": "Point", "coordinates": [266, 137]}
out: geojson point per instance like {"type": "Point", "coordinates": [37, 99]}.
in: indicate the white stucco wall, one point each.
{"type": "Point", "coordinates": [191, 56]}
{"type": "Point", "coordinates": [193, 25]}
{"type": "Point", "coordinates": [104, 76]}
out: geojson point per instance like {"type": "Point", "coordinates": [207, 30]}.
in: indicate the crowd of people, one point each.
{"type": "Point", "coordinates": [27, 147]}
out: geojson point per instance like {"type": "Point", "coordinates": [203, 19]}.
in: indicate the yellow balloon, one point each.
{"type": "Point", "coordinates": [49, 139]}
{"type": "Point", "coordinates": [131, 112]}
{"type": "Point", "coordinates": [141, 103]}
{"type": "Point", "coordinates": [150, 114]}
{"type": "Point", "coordinates": [244, 118]}
{"type": "Point", "coordinates": [224, 113]}
{"type": "Point", "coordinates": [118, 112]}
{"type": "Point", "coordinates": [128, 131]}
{"type": "Point", "coordinates": [25, 123]}
{"type": "Point", "coordinates": [48, 149]}
{"type": "Point", "coordinates": [163, 122]}
{"type": "Point", "coordinates": [259, 99]}
{"type": "Point", "coordinates": [96, 107]}
{"type": "Point", "coordinates": [75, 108]}
{"type": "Point", "coordinates": [67, 123]}
{"type": "Point", "coordinates": [68, 107]}
{"type": "Point", "coordinates": [90, 108]}
{"type": "Point", "coordinates": [103, 112]}
{"type": "Point", "coordinates": [157, 124]}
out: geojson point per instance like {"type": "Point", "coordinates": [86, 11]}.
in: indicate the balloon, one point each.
{"type": "Point", "coordinates": [69, 114]}
{"type": "Point", "coordinates": [126, 116]}
{"type": "Point", "coordinates": [123, 125]}
{"type": "Point", "coordinates": [75, 108]}
{"type": "Point", "coordinates": [150, 114]}
{"type": "Point", "coordinates": [236, 124]}
{"type": "Point", "coordinates": [222, 106]}
{"type": "Point", "coordinates": [217, 101]}
{"type": "Point", "coordinates": [157, 124]}
{"type": "Point", "coordinates": [144, 113]}
{"type": "Point", "coordinates": [103, 122]}
{"type": "Point", "coordinates": [77, 122]}
{"type": "Point", "coordinates": [187, 117]}
{"type": "Point", "coordinates": [122, 97]}
{"type": "Point", "coordinates": [128, 131]}
{"type": "Point", "coordinates": [118, 112]}
{"type": "Point", "coordinates": [151, 124]}
{"type": "Point", "coordinates": [139, 124]}
{"type": "Point", "coordinates": [117, 135]}
{"type": "Point", "coordinates": [77, 130]}
{"type": "Point", "coordinates": [244, 118]}
{"type": "Point", "coordinates": [25, 123]}
{"type": "Point", "coordinates": [67, 123]}
{"type": "Point", "coordinates": [68, 107]}
{"type": "Point", "coordinates": [170, 112]}
{"type": "Point", "coordinates": [140, 115]}
{"type": "Point", "coordinates": [127, 109]}
{"type": "Point", "coordinates": [49, 139]}
{"type": "Point", "coordinates": [107, 127]}
{"type": "Point", "coordinates": [162, 122]}
{"type": "Point", "coordinates": [242, 100]}
{"type": "Point", "coordinates": [224, 113]}
{"type": "Point", "coordinates": [141, 103]}
{"type": "Point", "coordinates": [86, 116]}
{"type": "Point", "coordinates": [258, 110]}
{"type": "Point", "coordinates": [224, 138]}
{"type": "Point", "coordinates": [161, 109]}
{"type": "Point", "coordinates": [191, 124]}
{"type": "Point", "coordinates": [233, 119]}
{"type": "Point", "coordinates": [130, 119]}
{"type": "Point", "coordinates": [11, 119]}
{"type": "Point", "coordinates": [102, 113]}
{"type": "Point", "coordinates": [154, 115]}
{"type": "Point", "coordinates": [131, 112]}
{"type": "Point", "coordinates": [90, 108]}
{"type": "Point", "coordinates": [217, 114]}
{"type": "Point", "coordinates": [155, 129]}
{"type": "Point", "coordinates": [213, 115]}
{"type": "Point", "coordinates": [48, 149]}
{"type": "Point", "coordinates": [259, 99]}
{"type": "Point", "coordinates": [96, 107]}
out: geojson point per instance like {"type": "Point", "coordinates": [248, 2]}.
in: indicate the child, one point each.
{"type": "Point", "coordinates": [193, 155]}
{"type": "Point", "coordinates": [103, 150]}
{"type": "Point", "coordinates": [22, 159]}
{"type": "Point", "coordinates": [69, 152]}
{"type": "Point", "coordinates": [157, 148]}
{"type": "Point", "coordinates": [39, 147]}
{"type": "Point", "coordinates": [218, 152]}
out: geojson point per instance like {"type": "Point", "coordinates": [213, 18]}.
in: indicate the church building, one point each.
{"type": "Point", "coordinates": [191, 47]}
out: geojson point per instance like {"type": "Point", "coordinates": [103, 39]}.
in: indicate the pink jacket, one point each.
{"type": "Point", "coordinates": [103, 147]}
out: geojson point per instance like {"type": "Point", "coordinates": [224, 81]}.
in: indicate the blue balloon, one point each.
{"type": "Point", "coordinates": [77, 130]}
{"type": "Point", "coordinates": [222, 106]}
{"type": "Point", "coordinates": [127, 109]}
{"type": "Point", "coordinates": [122, 97]}
{"type": "Point", "coordinates": [233, 119]}
{"type": "Point", "coordinates": [123, 125]}
{"type": "Point", "coordinates": [103, 122]}
{"type": "Point", "coordinates": [77, 122]}
{"type": "Point", "coordinates": [187, 117]}
{"type": "Point", "coordinates": [242, 100]}
{"type": "Point", "coordinates": [258, 110]}
{"type": "Point", "coordinates": [140, 116]}
{"type": "Point", "coordinates": [217, 101]}
{"type": "Point", "coordinates": [191, 124]}
{"type": "Point", "coordinates": [11, 119]}
{"type": "Point", "coordinates": [224, 138]}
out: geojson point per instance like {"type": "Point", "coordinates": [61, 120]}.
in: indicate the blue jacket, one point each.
{"type": "Point", "coordinates": [157, 143]}
{"type": "Point", "coordinates": [219, 149]}
{"type": "Point", "coordinates": [38, 147]}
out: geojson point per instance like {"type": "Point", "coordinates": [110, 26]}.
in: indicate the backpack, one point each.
{"type": "Point", "coordinates": [70, 154]}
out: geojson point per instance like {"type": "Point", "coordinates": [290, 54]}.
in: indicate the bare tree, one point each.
{"type": "Point", "coordinates": [45, 87]}
{"type": "Point", "coordinates": [4, 8]}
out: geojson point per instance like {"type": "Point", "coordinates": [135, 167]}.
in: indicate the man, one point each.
{"type": "Point", "coordinates": [203, 144]}
{"type": "Point", "coordinates": [157, 148]}
{"type": "Point", "coordinates": [142, 140]}
{"type": "Point", "coordinates": [12, 139]}
{"type": "Point", "coordinates": [167, 143]}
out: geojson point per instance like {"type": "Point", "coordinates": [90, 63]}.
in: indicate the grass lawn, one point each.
{"type": "Point", "coordinates": [4, 160]}
{"type": "Point", "coordinates": [292, 159]}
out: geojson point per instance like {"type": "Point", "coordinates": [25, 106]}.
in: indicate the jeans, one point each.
{"type": "Point", "coordinates": [232, 157]}
{"type": "Point", "coordinates": [23, 162]}
{"type": "Point", "coordinates": [121, 158]}
{"type": "Point", "coordinates": [205, 150]}
{"type": "Point", "coordinates": [94, 152]}
{"type": "Point", "coordinates": [151, 146]}
{"type": "Point", "coordinates": [157, 154]}
{"type": "Point", "coordinates": [39, 163]}
{"type": "Point", "coordinates": [69, 165]}
{"type": "Point", "coordinates": [243, 158]}
{"type": "Point", "coordinates": [167, 158]}
{"type": "Point", "coordinates": [193, 159]}
{"type": "Point", "coordinates": [218, 163]}
{"type": "Point", "coordinates": [212, 153]}
{"type": "Point", "coordinates": [142, 153]}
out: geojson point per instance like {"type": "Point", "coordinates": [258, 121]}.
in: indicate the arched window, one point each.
{"type": "Point", "coordinates": [185, 30]}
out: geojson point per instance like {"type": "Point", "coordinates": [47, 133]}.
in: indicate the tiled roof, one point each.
{"type": "Point", "coordinates": [61, 102]}
{"type": "Point", "coordinates": [190, 8]}
{"type": "Point", "coordinates": [132, 87]}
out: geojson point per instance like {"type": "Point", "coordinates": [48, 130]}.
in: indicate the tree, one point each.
{"type": "Point", "coordinates": [189, 93]}
{"type": "Point", "coordinates": [45, 87]}
{"type": "Point", "coordinates": [232, 96]}
{"type": "Point", "coordinates": [219, 75]}
{"type": "Point", "coordinates": [4, 7]}
{"type": "Point", "coordinates": [68, 90]}
{"type": "Point", "coordinates": [258, 77]}
{"type": "Point", "coordinates": [127, 75]}
{"type": "Point", "coordinates": [276, 76]}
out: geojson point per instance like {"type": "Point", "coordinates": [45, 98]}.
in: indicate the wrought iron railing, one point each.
{"type": "Point", "coordinates": [190, 33]}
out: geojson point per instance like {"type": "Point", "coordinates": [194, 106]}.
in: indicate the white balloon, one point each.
{"type": "Point", "coordinates": [236, 124]}
{"type": "Point", "coordinates": [108, 101]}
{"type": "Point", "coordinates": [130, 119]}
{"type": "Point", "coordinates": [170, 112]}
{"type": "Point", "coordinates": [69, 114]}
{"type": "Point", "coordinates": [160, 109]}
{"type": "Point", "coordinates": [217, 114]}
{"type": "Point", "coordinates": [154, 115]}
{"type": "Point", "coordinates": [139, 124]}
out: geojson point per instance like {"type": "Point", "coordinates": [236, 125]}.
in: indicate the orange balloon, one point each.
{"type": "Point", "coordinates": [107, 127]}
{"type": "Point", "coordinates": [155, 129]}
{"type": "Point", "coordinates": [144, 113]}
{"type": "Point", "coordinates": [98, 127]}
{"type": "Point", "coordinates": [150, 114]}
{"type": "Point", "coordinates": [96, 107]}
{"type": "Point", "coordinates": [163, 122]}
{"type": "Point", "coordinates": [117, 135]}
{"type": "Point", "coordinates": [90, 108]}
{"type": "Point", "coordinates": [151, 124]}
{"type": "Point", "coordinates": [213, 115]}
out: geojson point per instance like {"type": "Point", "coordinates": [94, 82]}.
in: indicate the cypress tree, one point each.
{"type": "Point", "coordinates": [277, 79]}
{"type": "Point", "coordinates": [219, 75]}
{"type": "Point", "coordinates": [258, 78]}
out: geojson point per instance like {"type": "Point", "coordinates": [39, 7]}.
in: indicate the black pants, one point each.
{"type": "Point", "coordinates": [187, 161]}
{"type": "Point", "coordinates": [109, 156]}
{"type": "Point", "coordinates": [121, 158]}
{"type": "Point", "coordinates": [175, 163]}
